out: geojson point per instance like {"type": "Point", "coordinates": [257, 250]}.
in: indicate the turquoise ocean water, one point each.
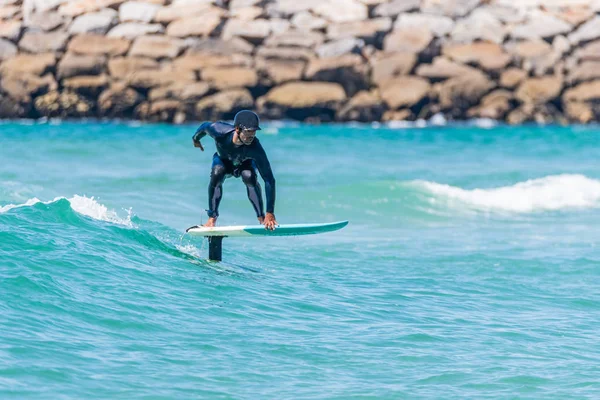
{"type": "Point", "coordinates": [470, 267]}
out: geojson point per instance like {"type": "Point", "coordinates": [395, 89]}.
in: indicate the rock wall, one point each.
{"type": "Point", "coordinates": [312, 60]}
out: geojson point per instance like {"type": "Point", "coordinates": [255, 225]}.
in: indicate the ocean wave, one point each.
{"type": "Point", "coordinates": [550, 193]}
{"type": "Point", "coordinates": [83, 205]}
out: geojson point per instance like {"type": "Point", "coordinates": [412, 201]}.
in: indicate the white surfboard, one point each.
{"type": "Point", "coordinates": [259, 230]}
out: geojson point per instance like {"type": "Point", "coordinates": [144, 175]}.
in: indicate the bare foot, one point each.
{"type": "Point", "coordinates": [210, 223]}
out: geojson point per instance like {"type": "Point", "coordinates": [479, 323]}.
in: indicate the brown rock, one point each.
{"type": "Point", "coordinates": [579, 112]}
{"type": "Point", "coordinates": [118, 101]}
{"type": "Point", "coordinates": [512, 77]}
{"type": "Point", "coordinates": [158, 111]}
{"type": "Point", "coordinates": [589, 52]}
{"type": "Point", "coordinates": [399, 115]}
{"type": "Point", "coordinates": [349, 71]}
{"type": "Point", "coordinates": [46, 21]}
{"type": "Point", "coordinates": [589, 91]}
{"type": "Point", "coordinates": [442, 68]}
{"type": "Point", "coordinates": [21, 87]}
{"type": "Point", "coordinates": [11, 30]}
{"type": "Point", "coordinates": [404, 91]}
{"type": "Point", "coordinates": [367, 29]}
{"type": "Point", "coordinates": [258, 30]}
{"type": "Point", "coordinates": [44, 42]}
{"type": "Point", "coordinates": [98, 45]}
{"type": "Point", "coordinates": [539, 90]}
{"type": "Point", "coordinates": [63, 105]}
{"type": "Point", "coordinates": [488, 55]}
{"type": "Point", "coordinates": [306, 95]}
{"type": "Point", "coordinates": [74, 64]}
{"type": "Point", "coordinates": [184, 91]}
{"type": "Point", "coordinates": [87, 85]}
{"type": "Point", "coordinates": [413, 40]}
{"type": "Point", "coordinates": [75, 8]}
{"type": "Point", "coordinates": [10, 108]}
{"type": "Point", "coordinates": [230, 77]}
{"type": "Point", "coordinates": [197, 62]}
{"type": "Point", "coordinates": [363, 107]}
{"type": "Point", "coordinates": [156, 47]}
{"type": "Point", "coordinates": [194, 26]}
{"type": "Point", "coordinates": [586, 71]}
{"type": "Point", "coordinates": [460, 93]}
{"type": "Point", "coordinates": [150, 78]}
{"type": "Point", "coordinates": [521, 115]}
{"type": "Point", "coordinates": [295, 39]}
{"type": "Point", "coordinates": [223, 105]}
{"type": "Point", "coordinates": [123, 67]}
{"type": "Point", "coordinates": [188, 10]}
{"type": "Point", "coordinates": [211, 46]}
{"type": "Point", "coordinates": [495, 105]}
{"type": "Point", "coordinates": [451, 8]}
{"type": "Point", "coordinates": [530, 49]}
{"type": "Point", "coordinates": [390, 66]}
{"type": "Point", "coordinates": [285, 53]}
{"type": "Point", "coordinates": [35, 64]}
{"type": "Point", "coordinates": [247, 13]}
{"type": "Point", "coordinates": [280, 71]}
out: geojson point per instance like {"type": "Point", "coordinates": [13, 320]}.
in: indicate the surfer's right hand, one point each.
{"type": "Point", "coordinates": [198, 144]}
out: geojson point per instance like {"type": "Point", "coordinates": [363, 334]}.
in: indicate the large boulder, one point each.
{"type": "Point", "coordinates": [47, 21]}
{"type": "Point", "coordinates": [34, 42]}
{"type": "Point", "coordinates": [389, 66]}
{"type": "Point", "coordinates": [138, 11]}
{"type": "Point", "coordinates": [295, 39]}
{"type": "Point", "coordinates": [99, 22]}
{"type": "Point", "coordinates": [10, 108]}
{"type": "Point", "coordinates": [589, 91]}
{"type": "Point", "coordinates": [365, 106]}
{"type": "Point", "coordinates": [409, 40]}
{"type": "Point", "coordinates": [495, 105]}
{"type": "Point", "coordinates": [540, 90]}
{"type": "Point", "coordinates": [305, 21]}
{"type": "Point", "coordinates": [157, 47]}
{"type": "Point", "coordinates": [490, 56]}
{"type": "Point", "coordinates": [586, 71]}
{"type": "Point", "coordinates": [578, 112]}
{"type": "Point", "coordinates": [132, 30]}
{"type": "Point", "coordinates": [512, 77]}
{"type": "Point", "coordinates": [150, 78]}
{"type": "Point", "coordinates": [210, 46]}
{"type": "Point", "coordinates": [438, 25]}
{"type": "Point", "coordinates": [223, 105]}
{"type": "Point", "coordinates": [230, 77]}
{"type": "Point", "coordinates": [535, 55]}
{"type": "Point", "coordinates": [277, 71]}
{"type": "Point", "coordinates": [98, 45]}
{"type": "Point", "coordinates": [589, 52]}
{"type": "Point", "coordinates": [11, 30]}
{"type": "Point", "coordinates": [73, 8]}
{"type": "Point", "coordinates": [442, 68]}
{"type": "Point", "coordinates": [404, 91]}
{"type": "Point", "coordinates": [118, 101]}
{"type": "Point", "coordinates": [7, 49]}
{"type": "Point", "coordinates": [194, 26]}
{"type": "Point", "coordinates": [586, 32]}
{"type": "Point", "coordinates": [287, 53]}
{"type": "Point", "coordinates": [34, 64]}
{"type": "Point", "coordinates": [459, 94]}
{"type": "Point", "coordinates": [540, 25]}
{"type": "Point", "coordinates": [188, 10]}
{"type": "Point", "coordinates": [183, 91]}
{"type": "Point", "coordinates": [303, 101]}
{"type": "Point", "coordinates": [368, 29]}
{"type": "Point", "coordinates": [349, 71]}
{"type": "Point", "coordinates": [450, 8]}
{"type": "Point", "coordinates": [73, 64]}
{"type": "Point", "coordinates": [342, 10]}
{"type": "Point", "coordinates": [89, 86]}
{"type": "Point", "coordinates": [395, 7]}
{"type": "Point", "coordinates": [22, 87]}
{"type": "Point", "coordinates": [480, 25]}
{"type": "Point", "coordinates": [199, 61]}
{"type": "Point", "coordinates": [258, 30]}
{"type": "Point", "coordinates": [164, 110]}
{"type": "Point", "coordinates": [122, 68]}
{"type": "Point", "coordinates": [340, 47]}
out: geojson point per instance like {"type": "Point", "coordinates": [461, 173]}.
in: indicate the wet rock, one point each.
{"type": "Point", "coordinates": [223, 105]}
{"type": "Point", "coordinates": [118, 101]}
{"type": "Point", "coordinates": [98, 45]}
{"type": "Point", "coordinates": [73, 64]}
{"type": "Point", "coordinates": [156, 47]}
{"type": "Point", "coordinates": [404, 91]}
{"type": "Point", "coordinates": [44, 42]}
{"type": "Point", "coordinates": [409, 40]}
{"type": "Point", "coordinates": [63, 105]}
{"type": "Point", "coordinates": [10, 108]}
{"type": "Point", "coordinates": [539, 90]}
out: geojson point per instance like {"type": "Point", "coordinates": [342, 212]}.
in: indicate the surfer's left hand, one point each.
{"type": "Point", "coordinates": [270, 223]}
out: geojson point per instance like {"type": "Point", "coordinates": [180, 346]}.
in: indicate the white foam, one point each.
{"type": "Point", "coordinates": [556, 192]}
{"type": "Point", "coordinates": [87, 206]}
{"type": "Point", "coordinates": [190, 250]}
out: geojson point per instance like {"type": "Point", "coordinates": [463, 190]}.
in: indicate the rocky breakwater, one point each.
{"type": "Point", "coordinates": [314, 60]}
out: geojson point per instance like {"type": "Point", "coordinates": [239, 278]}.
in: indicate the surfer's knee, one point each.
{"type": "Point", "coordinates": [218, 172]}
{"type": "Point", "coordinates": [248, 177]}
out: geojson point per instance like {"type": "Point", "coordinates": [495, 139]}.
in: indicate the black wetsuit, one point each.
{"type": "Point", "coordinates": [231, 160]}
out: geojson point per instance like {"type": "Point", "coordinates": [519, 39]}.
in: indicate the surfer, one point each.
{"type": "Point", "coordinates": [239, 154]}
